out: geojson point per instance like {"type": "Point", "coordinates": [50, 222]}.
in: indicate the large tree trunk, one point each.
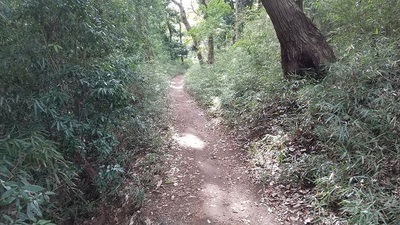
{"type": "Point", "coordinates": [303, 47]}
{"type": "Point", "coordinates": [188, 28]}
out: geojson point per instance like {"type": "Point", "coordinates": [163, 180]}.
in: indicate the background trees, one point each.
{"type": "Point", "coordinates": [214, 24]}
{"type": "Point", "coordinates": [185, 21]}
{"type": "Point", "coordinates": [213, 27]}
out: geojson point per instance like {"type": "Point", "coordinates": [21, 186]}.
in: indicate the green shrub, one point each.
{"type": "Point", "coordinates": [74, 103]}
{"type": "Point", "coordinates": [242, 75]}
{"type": "Point", "coordinates": [344, 130]}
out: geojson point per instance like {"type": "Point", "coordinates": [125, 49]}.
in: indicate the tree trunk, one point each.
{"type": "Point", "coordinates": [303, 47]}
{"type": "Point", "coordinates": [210, 56]}
{"type": "Point", "coordinates": [237, 22]}
{"type": "Point", "coordinates": [188, 28]}
{"type": "Point", "coordinates": [170, 32]}
{"type": "Point", "coordinates": [180, 39]}
{"type": "Point", "coordinates": [239, 6]}
{"type": "Point", "coordinates": [210, 41]}
{"type": "Point", "coordinates": [198, 52]}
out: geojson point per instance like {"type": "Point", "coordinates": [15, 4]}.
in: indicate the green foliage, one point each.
{"type": "Point", "coordinates": [358, 21]}
{"type": "Point", "coordinates": [344, 130]}
{"type": "Point", "coordinates": [244, 79]}
{"type": "Point", "coordinates": [173, 40]}
{"type": "Point", "coordinates": [177, 49]}
{"type": "Point", "coordinates": [358, 129]}
{"type": "Point", "coordinates": [216, 20]}
{"type": "Point", "coordinates": [354, 113]}
{"type": "Point", "coordinates": [72, 92]}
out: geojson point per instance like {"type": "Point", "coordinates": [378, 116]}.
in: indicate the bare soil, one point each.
{"type": "Point", "coordinates": [207, 178]}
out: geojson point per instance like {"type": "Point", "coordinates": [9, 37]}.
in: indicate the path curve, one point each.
{"type": "Point", "coordinates": [208, 180]}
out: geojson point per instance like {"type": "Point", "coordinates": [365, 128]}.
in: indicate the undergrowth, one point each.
{"type": "Point", "coordinates": [82, 88]}
{"type": "Point", "coordinates": [338, 136]}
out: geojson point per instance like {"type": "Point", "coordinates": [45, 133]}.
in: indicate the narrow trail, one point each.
{"type": "Point", "coordinates": [208, 180]}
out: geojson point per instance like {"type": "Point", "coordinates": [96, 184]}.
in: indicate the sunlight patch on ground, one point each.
{"type": "Point", "coordinates": [190, 141]}
{"type": "Point", "coordinates": [176, 85]}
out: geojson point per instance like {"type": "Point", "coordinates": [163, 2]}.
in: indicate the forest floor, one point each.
{"type": "Point", "coordinates": [207, 177]}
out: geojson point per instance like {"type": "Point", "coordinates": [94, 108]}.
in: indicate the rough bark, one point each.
{"type": "Point", "coordinates": [185, 22]}
{"type": "Point", "coordinates": [303, 47]}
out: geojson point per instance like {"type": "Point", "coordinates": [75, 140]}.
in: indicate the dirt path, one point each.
{"type": "Point", "coordinates": [207, 181]}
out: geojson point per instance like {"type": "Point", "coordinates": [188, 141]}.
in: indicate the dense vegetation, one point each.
{"type": "Point", "coordinates": [82, 93]}
{"type": "Point", "coordinates": [82, 86]}
{"type": "Point", "coordinates": [337, 135]}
